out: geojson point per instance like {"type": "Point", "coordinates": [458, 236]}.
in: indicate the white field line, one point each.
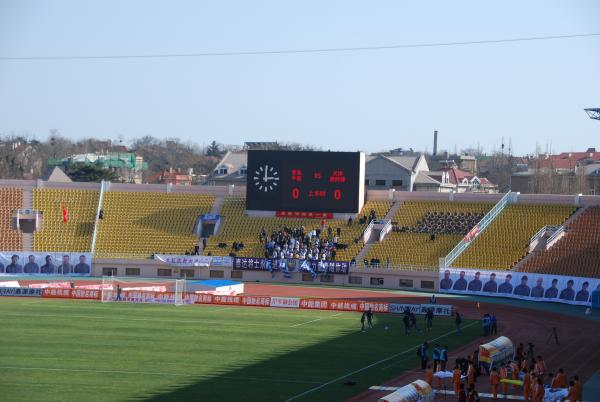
{"type": "Point", "coordinates": [371, 365]}
{"type": "Point", "coordinates": [315, 320]}
{"type": "Point", "coordinates": [270, 379]}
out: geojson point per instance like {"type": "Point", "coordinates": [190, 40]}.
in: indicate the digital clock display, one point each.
{"type": "Point", "coordinates": [304, 181]}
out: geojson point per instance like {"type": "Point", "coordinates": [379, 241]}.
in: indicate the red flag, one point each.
{"type": "Point", "coordinates": [65, 214]}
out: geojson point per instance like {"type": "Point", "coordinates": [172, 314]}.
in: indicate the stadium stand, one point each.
{"type": "Point", "coordinates": [409, 243]}
{"type": "Point", "coordinates": [505, 242]}
{"type": "Point", "coordinates": [239, 228]}
{"type": "Point", "coordinates": [140, 224]}
{"type": "Point", "coordinates": [576, 253]}
{"type": "Point", "coordinates": [10, 200]}
{"type": "Point", "coordinates": [76, 234]}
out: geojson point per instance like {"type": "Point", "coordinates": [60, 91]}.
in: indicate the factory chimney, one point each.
{"type": "Point", "coordinates": [435, 143]}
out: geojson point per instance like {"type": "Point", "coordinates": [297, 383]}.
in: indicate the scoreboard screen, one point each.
{"type": "Point", "coordinates": [305, 181]}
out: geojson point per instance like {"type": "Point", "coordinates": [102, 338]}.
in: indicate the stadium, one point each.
{"type": "Point", "coordinates": [259, 291]}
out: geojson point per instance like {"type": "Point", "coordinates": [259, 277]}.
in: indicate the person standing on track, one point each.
{"type": "Point", "coordinates": [456, 383]}
{"type": "Point", "coordinates": [504, 376]}
{"type": "Point", "coordinates": [422, 353]}
{"type": "Point", "coordinates": [526, 386]}
{"type": "Point", "coordinates": [471, 374]}
{"type": "Point", "coordinates": [494, 381]}
{"type": "Point", "coordinates": [406, 321]}
{"type": "Point", "coordinates": [429, 375]}
{"type": "Point", "coordinates": [435, 355]}
{"type": "Point", "coordinates": [579, 388]}
{"type": "Point", "coordinates": [458, 322]}
{"type": "Point", "coordinates": [118, 293]}
{"type": "Point", "coordinates": [362, 321]}
{"type": "Point", "coordinates": [370, 318]}
{"type": "Point", "coordinates": [429, 319]}
{"type": "Point", "coordinates": [493, 325]}
{"type": "Point", "coordinates": [444, 357]}
{"type": "Point", "coordinates": [538, 390]}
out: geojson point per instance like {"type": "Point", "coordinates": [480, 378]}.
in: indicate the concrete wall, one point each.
{"type": "Point", "coordinates": [363, 277]}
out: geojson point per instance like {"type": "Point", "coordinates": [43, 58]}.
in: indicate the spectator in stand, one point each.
{"type": "Point", "coordinates": [538, 289]}
{"type": "Point", "coordinates": [552, 291]}
{"type": "Point", "coordinates": [491, 285]}
{"type": "Point", "coordinates": [568, 293]}
{"type": "Point", "coordinates": [475, 284]}
{"type": "Point", "coordinates": [31, 267]}
{"type": "Point", "coordinates": [48, 267]}
{"type": "Point", "coordinates": [506, 287]}
{"type": "Point", "coordinates": [66, 267]}
{"type": "Point", "coordinates": [83, 267]}
{"type": "Point", "coordinates": [14, 267]}
{"type": "Point", "coordinates": [461, 282]}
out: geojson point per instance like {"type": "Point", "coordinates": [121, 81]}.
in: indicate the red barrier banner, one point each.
{"type": "Point", "coordinates": [285, 302]}
{"type": "Point", "coordinates": [64, 293]}
{"type": "Point", "coordinates": [227, 299]}
{"type": "Point", "coordinates": [257, 301]}
{"type": "Point", "coordinates": [85, 294]}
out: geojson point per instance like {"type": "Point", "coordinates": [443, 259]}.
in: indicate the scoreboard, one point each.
{"type": "Point", "coordinates": [306, 181]}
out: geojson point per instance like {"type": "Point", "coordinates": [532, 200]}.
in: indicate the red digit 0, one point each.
{"type": "Point", "coordinates": [295, 193]}
{"type": "Point", "coordinates": [337, 194]}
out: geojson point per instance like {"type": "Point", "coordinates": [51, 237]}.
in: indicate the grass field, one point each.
{"type": "Point", "coordinates": [66, 350]}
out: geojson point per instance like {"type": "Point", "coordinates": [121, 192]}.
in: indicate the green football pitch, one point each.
{"type": "Point", "coordinates": [67, 350]}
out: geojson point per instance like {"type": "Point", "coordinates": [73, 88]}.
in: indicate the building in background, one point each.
{"type": "Point", "coordinates": [127, 165]}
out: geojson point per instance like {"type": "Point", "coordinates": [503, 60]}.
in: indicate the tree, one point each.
{"type": "Point", "coordinates": [90, 173]}
{"type": "Point", "coordinates": [213, 149]}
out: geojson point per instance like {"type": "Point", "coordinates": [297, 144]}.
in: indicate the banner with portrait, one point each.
{"type": "Point", "coordinates": [38, 263]}
{"type": "Point", "coordinates": [519, 285]}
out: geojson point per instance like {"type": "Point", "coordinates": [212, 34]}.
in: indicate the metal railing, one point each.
{"type": "Point", "coordinates": [481, 226]}
{"type": "Point", "coordinates": [100, 198]}
{"type": "Point", "coordinates": [385, 229]}
{"type": "Point", "coordinates": [543, 230]}
{"type": "Point", "coordinates": [559, 230]}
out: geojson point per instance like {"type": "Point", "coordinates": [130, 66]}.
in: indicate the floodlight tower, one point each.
{"type": "Point", "coordinates": [594, 113]}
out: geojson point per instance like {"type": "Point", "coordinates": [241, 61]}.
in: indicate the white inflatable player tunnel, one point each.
{"type": "Point", "coordinates": [497, 351]}
{"type": "Point", "coordinates": [417, 391]}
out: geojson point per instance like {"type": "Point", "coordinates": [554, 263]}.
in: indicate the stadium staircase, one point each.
{"type": "Point", "coordinates": [27, 204]}
{"type": "Point", "coordinates": [577, 252]}
{"type": "Point", "coordinates": [374, 237]}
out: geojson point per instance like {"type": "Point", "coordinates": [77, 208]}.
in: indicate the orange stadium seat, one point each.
{"type": "Point", "coordinates": [576, 253]}
{"type": "Point", "coordinates": [11, 199]}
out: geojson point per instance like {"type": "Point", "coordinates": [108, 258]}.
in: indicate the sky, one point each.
{"type": "Point", "coordinates": [529, 93]}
